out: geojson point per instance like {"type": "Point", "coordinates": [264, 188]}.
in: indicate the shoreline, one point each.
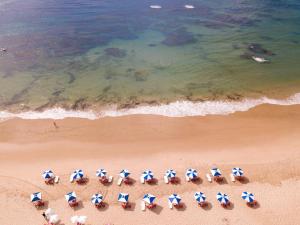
{"type": "Point", "coordinates": [264, 141]}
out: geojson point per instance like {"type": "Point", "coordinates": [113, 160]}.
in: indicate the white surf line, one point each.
{"type": "Point", "coordinates": [174, 109]}
{"type": "Point", "coordinates": [189, 6]}
{"type": "Point", "coordinates": [155, 7]}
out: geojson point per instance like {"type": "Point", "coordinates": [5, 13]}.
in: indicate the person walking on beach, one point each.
{"type": "Point", "coordinates": [55, 125]}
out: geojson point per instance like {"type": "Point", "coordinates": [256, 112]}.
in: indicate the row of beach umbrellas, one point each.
{"type": "Point", "coordinates": [149, 198]}
{"type": "Point", "coordinates": [146, 175]}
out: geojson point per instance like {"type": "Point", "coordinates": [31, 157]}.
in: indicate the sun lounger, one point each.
{"type": "Point", "coordinates": [208, 178]}
{"type": "Point", "coordinates": [53, 219]}
{"type": "Point", "coordinates": [170, 205]}
{"type": "Point", "coordinates": [143, 206]}
{"type": "Point", "coordinates": [142, 180]}
{"type": "Point", "coordinates": [56, 179]}
{"type": "Point", "coordinates": [232, 177]}
{"type": "Point", "coordinates": [187, 179]}
{"type": "Point", "coordinates": [110, 179]}
{"type": "Point", "coordinates": [120, 181]}
{"type": "Point", "coordinates": [166, 179]}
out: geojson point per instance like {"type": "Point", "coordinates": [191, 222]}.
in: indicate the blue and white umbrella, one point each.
{"type": "Point", "coordinates": [76, 175]}
{"type": "Point", "coordinates": [124, 173]}
{"type": "Point", "coordinates": [101, 173]}
{"type": "Point", "coordinates": [36, 197]}
{"type": "Point", "coordinates": [97, 198]}
{"type": "Point", "coordinates": [123, 197]}
{"type": "Point", "coordinates": [174, 199]}
{"type": "Point", "coordinates": [191, 173]}
{"type": "Point", "coordinates": [215, 172]}
{"type": "Point", "coordinates": [222, 198]}
{"type": "Point", "coordinates": [148, 175]}
{"type": "Point", "coordinates": [200, 197]}
{"type": "Point", "coordinates": [171, 173]}
{"type": "Point", "coordinates": [48, 174]}
{"type": "Point", "coordinates": [70, 196]}
{"type": "Point", "coordinates": [149, 198]}
{"type": "Point", "coordinates": [247, 196]}
{"type": "Point", "coordinates": [237, 172]}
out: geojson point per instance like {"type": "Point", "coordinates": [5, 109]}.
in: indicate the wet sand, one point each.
{"type": "Point", "coordinates": [264, 141]}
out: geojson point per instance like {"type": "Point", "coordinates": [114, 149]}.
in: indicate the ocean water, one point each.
{"type": "Point", "coordinates": [106, 57]}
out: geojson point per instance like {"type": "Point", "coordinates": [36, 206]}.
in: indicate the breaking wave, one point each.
{"type": "Point", "coordinates": [174, 109]}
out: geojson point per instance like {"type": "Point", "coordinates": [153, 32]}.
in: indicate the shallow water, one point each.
{"type": "Point", "coordinates": [88, 54]}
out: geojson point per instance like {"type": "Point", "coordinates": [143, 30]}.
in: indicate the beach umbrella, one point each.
{"type": "Point", "coordinates": [148, 175]}
{"type": "Point", "coordinates": [191, 173]}
{"type": "Point", "coordinates": [237, 172]}
{"type": "Point", "coordinates": [200, 197]}
{"type": "Point", "coordinates": [149, 198]}
{"type": "Point", "coordinates": [174, 199]}
{"type": "Point", "coordinates": [97, 198]}
{"type": "Point", "coordinates": [123, 197]}
{"type": "Point", "coordinates": [247, 196]}
{"type": "Point", "coordinates": [222, 198]}
{"type": "Point", "coordinates": [36, 197]}
{"type": "Point", "coordinates": [171, 173]}
{"type": "Point", "coordinates": [77, 174]}
{"type": "Point", "coordinates": [70, 196]}
{"type": "Point", "coordinates": [101, 173]}
{"type": "Point", "coordinates": [215, 172]}
{"type": "Point", "coordinates": [48, 174]}
{"type": "Point", "coordinates": [124, 173]}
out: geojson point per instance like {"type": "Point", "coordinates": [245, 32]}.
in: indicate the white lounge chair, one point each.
{"type": "Point", "coordinates": [56, 179]}
{"type": "Point", "coordinates": [170, 205]}
{"type": "Point", "coordinates": [49, 212]}
{"type": "Point", "coordinates": [142, 180]}
{"type": "Point", "coordinates": [166, 179]}
{"type": "Point", "coordinates": [143, 206]}
{"type": "Point", "coordinates": [53, 219]}
{"type": "Point", "coordinates": [232, 177]}
{"type": "Point", "coordinates": [120, 181]}
{"type": "Point", "coordinates": [110, 179]}
{"type": "Point", "coordinates": [208, 178]}
{"type": "Point", "coordinates": [187, 179]}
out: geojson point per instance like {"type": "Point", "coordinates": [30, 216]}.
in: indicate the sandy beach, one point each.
{"type": "Point", "coordinates": [264, 141]}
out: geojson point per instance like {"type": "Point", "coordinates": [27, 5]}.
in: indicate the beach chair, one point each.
{"type": "Point", "coordinates": [142, 180]}
{"type": "Point", "coordinates": [166, 180]}
{"type": "Point", "coordinates": [143, 206]}
{"type": "Point", "coordinates": [56, 179]}
{"type": "Point", "coordinates": [170, 205]}
{"type": "Point", "coordinates": [49, 212]}
{"type": "Point", "coordinates": [120, 180]}
{"type": "Point", "coordinates": [110, 179]}
{"type": "Point", "coordinates": [208, 178]}
{"type": "Point", "coordinates": [232, 178]}
{"type": "Point", "coordinates": [187, 179]}
{"type": "Point", "coordinates": [53, 219]}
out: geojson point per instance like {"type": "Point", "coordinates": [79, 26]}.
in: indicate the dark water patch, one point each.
{"type": "Point", "coordinates": [266, 38]}
{"type": "Point", "coordinates": [259, 49]}
{"type": "Point", "coordinates": [72, 77]}
{"type": "Point", "coordinates": [236, 20]}
{"type": "Point", "coordinates": [115, 52]}
{"type": "Point", "coordinates": [58, 92]}
{"type": "Point", "coordinates": [179, 37]}
{"type": "Point", "coordinates": [152, 45]}
{"type": "Point", "coordinates": [80, 104]}
{"type": "Point", "coordinates": [141, 75]}
{"type": "Point", "coordinates": [246, 55]}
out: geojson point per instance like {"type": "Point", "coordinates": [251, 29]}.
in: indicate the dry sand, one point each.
{"type": "Point", "coordinates": [264, 141]}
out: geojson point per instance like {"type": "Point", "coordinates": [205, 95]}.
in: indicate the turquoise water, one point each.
{"type": "Point", "coordinates": [88, 54]}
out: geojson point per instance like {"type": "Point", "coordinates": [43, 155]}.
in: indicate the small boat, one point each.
{"type": "Point", "coordinates": [259, 59]}
{"type": "Point", "coordinates": [189, 7]}
{"type": "Point", "coordinates": [155, 6]}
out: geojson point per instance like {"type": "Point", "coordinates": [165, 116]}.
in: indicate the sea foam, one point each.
{"type": "Point", "coordinates": [174, 109]}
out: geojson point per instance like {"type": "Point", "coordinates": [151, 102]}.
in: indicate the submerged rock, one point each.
{"type": "Point", "coordinates": [179, 37]}
{"type": "Point", "coordinates": [141, 75]}
{"type": "Point", "coordinates": [258, 49]}
{"type": "Point", "coordinates": [115, 52]}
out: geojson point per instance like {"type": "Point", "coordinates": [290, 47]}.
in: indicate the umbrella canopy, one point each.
{"type": "Point", "coordinates": [48, 174]}
{"type": "Point", "coordinates": [237, 172]}
{"type": "Point", "coordinates": [76, 175]}
{"type": "Point", "coordinates": [222, 198]}
{"type": "Point", "coordinates": [171, 173]}
{"type": "Point", "coordinates": [124, 173]}
{"type": "Point", "coordinates": [70, 196]}
{"type": "Point", "coordinates": [149, 198]}
{"type": "Point", "coordinates": [97, 198]}
{"type": "Point", "coordinates": [215, 172]}
{"type": "Point", "coordinates": [247, 196]}
{"type": "Point", "coordinates": [191, 173]}
{"type": "Point", "coordinates": [123, 197]}
{"type": "Point", "coordinates": [174, 199]}
{"type": "Point", "coordinates": [200, 197]}
{"type": "Point", "coordinates": [36, 197]}
{"type": "Point", "coordinates": [148, 175]}
{"type": "Point", "coordinates": [101, 173]}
